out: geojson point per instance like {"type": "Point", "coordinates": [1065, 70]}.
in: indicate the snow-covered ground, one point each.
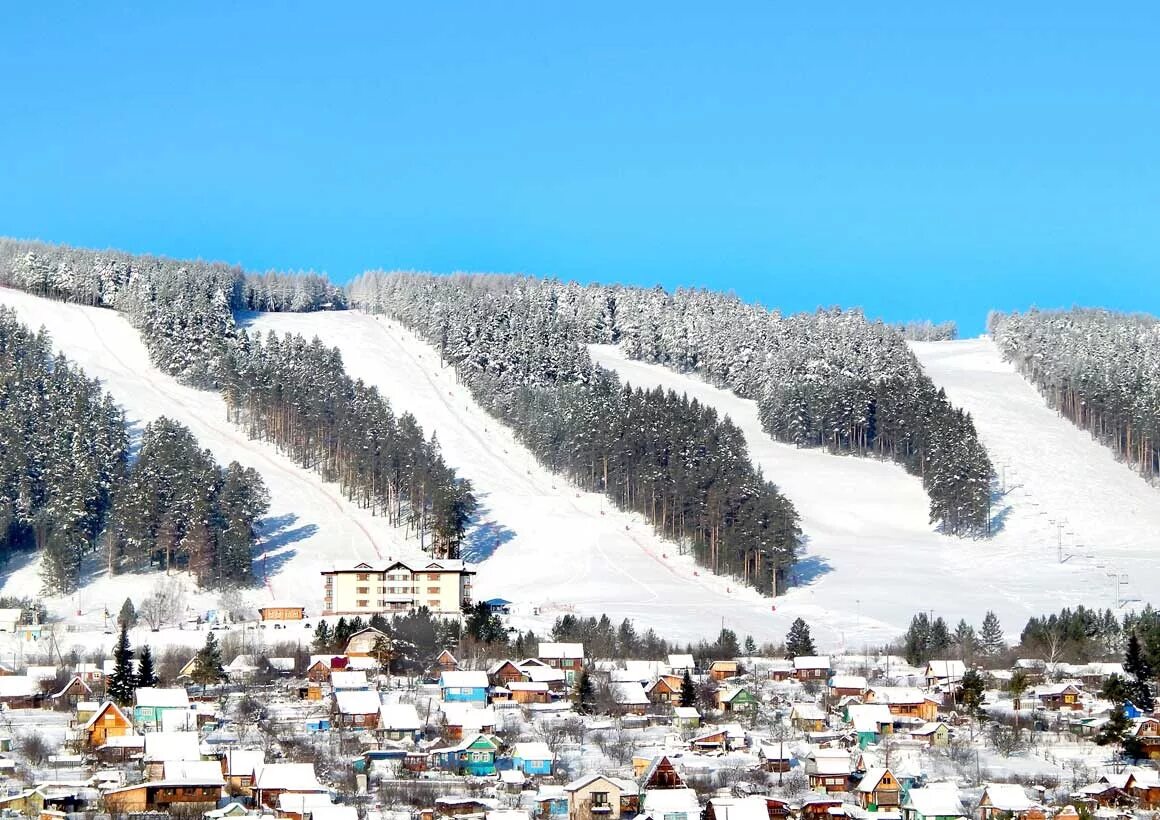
{"type": "Point", "coordinates": [310, 525]}
{"type": "Point", "coordinates": [540, 542]}
{"type": "Point", "coordinates": [872, 560]}
{"type": "Point", "coordinates": [1064, 494]}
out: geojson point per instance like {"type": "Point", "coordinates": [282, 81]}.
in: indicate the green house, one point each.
{"type": "Point", "coordinates": [737, 700]}
{"type": "Point", "coordinates": [474, 756]}
{"type": "Point", "coordinates": [152, 703]}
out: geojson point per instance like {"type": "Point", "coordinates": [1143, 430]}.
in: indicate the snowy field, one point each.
{"type": "Point", "coordinates": [872, 560]}
{"type": "Point", "coordinates": [310, 525]}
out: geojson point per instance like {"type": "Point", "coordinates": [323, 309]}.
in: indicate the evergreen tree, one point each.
{"type": "Point", "coordinates": [916, 642]}
{"type": "Point", "coordinates": [971, 690]}
{"type": "Point", "coordinates": [991, 636]}
{"type": "Point", "coordinates": [1116, 730]}
{"type": "Point", "coordinates": [750, 646]}
{"type": "Point", "coordinates": [146, 675]}
{"type": "Point", "coordinates": [128, 613]}
{"type": "Point", "coordinates": [798, 640]}
{"type": "Point", "coordinates": [323, 640]}
{"type": "Point", "coordinates": [123, 682]}
{"type": "Point", "coordinates": [940, 639]}
{"type": "Point", "coordinates": [207, 666]}
{"type": "Point", "coordinates": [964, 640]}
{"type": "Point", "coordinates": [1018, 686]}
{"type": "Point", "coordinates": [585, 695]}
{"type": "Point", "coordinates": [688, 690]}
{"type": "Point", "coordinates": [1140, 675]}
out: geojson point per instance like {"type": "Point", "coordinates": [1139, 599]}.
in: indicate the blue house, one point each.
{"type": "Point", "coordinates": [474, 756]}
{"type": "Point", "coordinates": [533, 758]}
{"type": "Point", "coordinates": [463, 687]}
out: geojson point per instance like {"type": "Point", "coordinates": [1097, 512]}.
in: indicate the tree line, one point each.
{"type": "Point", "coordinates": [69, 489]}
{"type": "Point", "coordinates": [675, 461]}
{"type": "Point", "coordinates": [1100, 369]}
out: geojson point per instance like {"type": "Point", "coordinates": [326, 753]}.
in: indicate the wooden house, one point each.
{"type": "Point", "coordinates": [282, 612]}
{"type": "Point", "coordinates": [1147, 734]}
{"type": "Point", "coordinates": [399, 721]}
{"type": "Point", "coordinates": [828, 770]}
{"type": "Point", "coordinates": [568, 657]}
{"type": "Point", "coordinates": [775, 757]}
{"type": "Point", "coordinates": [193, 793]}
{"type": "Point", "coordinates": [878, 790]}
{"type": "Point", "coordinates": [736, 699]}
{"type": "Point", "coordinates": [936, 734]}
{"type": "Point", "coordinates": [273, 780]}
{"type": "Point", "coordinates": [630, 698]}
{"type": "Point", "coordinates": [664, 690]}
{"type": "Point", "coordinates": [73, 692]}
{"type": "Point", "coordinates": [723, 670]}
{"type": "Point", "coordinates": [362, 643]}
{"type": "Point", "coordinates": [356, 708]}
{"type": "Point", "coordinates": [811, 667]}
{"type": "Point", "coordinates": [843, 686]}
{"type": "Point", "coordinates": [108, 721]}
{"type": "Point", "coordinates": [1007, 801]}
{"type": "Point", "coordinates": [820, 807]}
{"type": "Point", "coordinates": [1059, 696]}
{"type": "Point", "coordinates": [473, 756]}
{"type": "Point", "coordinates": [660, 773]}
{"type": "Point", "coordinates": [503, 673]}
{"type": "Point", "coordinates": [238, 767]}
{"type": "Point", "coordinates": [445, 662]}
{"type": "Point", "coordinates": [808, 717]}
{"type": "Point", "coordinates": [528, 692]}
{"type": "Point", "coordinates": [904, 702]}
{"type": "Point", "coordinates": [934, 802]}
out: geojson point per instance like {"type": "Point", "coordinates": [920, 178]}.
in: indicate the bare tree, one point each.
{"type": "Point", "coordinates": [35, 748]}
{"type": "Point", "coordinates": [165, 604]}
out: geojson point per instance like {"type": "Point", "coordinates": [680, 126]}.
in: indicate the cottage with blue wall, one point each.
{"type": "Point", "coordinates": [463, 687]}
{"type": "Point", "coordinates": [533, 758]}
{"type": "Point", "coordinates": [474, 756]}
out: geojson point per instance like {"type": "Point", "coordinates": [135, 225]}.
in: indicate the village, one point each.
{"type": "Point", "coordinates": [336, 736]}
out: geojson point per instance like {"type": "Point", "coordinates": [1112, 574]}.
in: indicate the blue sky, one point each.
{"type": "Point", "coordinates": [919, 162]}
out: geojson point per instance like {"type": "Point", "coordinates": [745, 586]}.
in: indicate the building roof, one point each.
{"type": "Point", "coordinates": [420, 564]}
{"type": "Point", "coordinates": [869, 717]}
{"type": "Point", "coordinates": [543, 674]}
{"type": "Point", "coordinates": [467, 716]}
{"type": "Point", "coordinates": [349, 679]}
{"type": "Point", "coordinates": [682, 662]}
{"type": "Point", "coordinates": [527, 686]}
{"type": "Point", "coordinates": [100, 711]}
{"type": "Point", "coordinates": [166, 746]}
{"type": "Point", "coordinates": [301, 802]}
{"type": "Point", "coordinates": [897, 695]}
{"type": "Point", "coordinates": [753, 807]}
{"type": "Point", "coordinates": [1008, 797]}
{"type": "Point", "coordinates": [169, 698]}
{"type": "Point", "coordinates": [949, 670]}
{"type": "Point", "coordinates": [629, 694]}
{"type": "Point", "coordinates": [18, 686]}
{"type": "Point", "coordinates": [198, 772]}
{"type": "Point", "coordinates": [871, 779]}
{"type": "Point", "coordinates": [569, 651]}
{"type": "Point", "coordinates": [463, 680]}
{"type": "Point", "coordinates": [243, 762]}
{"type": "Point", "coordinates": [357, 702]}
{"type": "Point", "coordinates": [848, 682]}
{"type": "Point", "coordinates": [299, 777]}
{"type": "Point", "coordinates": [808, 711]}
{"type": "Point", "coordinates": [936, 800]}
{"type": "Point", "coordinates": [400, 717]}
{"type": "Point", "coordinates": [811, 662]}
{"type": "Point", "coordinates": [685, 712]}
{"type": "Point", "coordinates": [533, 750]}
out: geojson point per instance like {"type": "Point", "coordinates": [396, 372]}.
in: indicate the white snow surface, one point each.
{"type": "Point", "coordinates": [872, 560]}
{"type": "Point", "coordinates": [310, 525]}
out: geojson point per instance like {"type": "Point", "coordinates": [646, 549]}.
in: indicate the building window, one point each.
{"type": "Point", "coordinates": [363, 603]}
{"type": "Point", "coordinates": [362, 576]}
{"type": "Point", "coordinates": [599, 798]}
{"type": "Point", "coordinates": [432, 590]}
{"type": "Point", "coordinates": [432, 576]}
{"type": "Point", "coordinates": [363, 590]}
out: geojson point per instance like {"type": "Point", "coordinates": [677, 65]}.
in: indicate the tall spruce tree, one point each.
{"type": "Point", "coordinates": [207, 666]}
{"type": "Point", "coordinates": [991, 635]}
{"type": "Point", "coordinates": [688, 690]}
{"type": "Point", "coordinates": [585, 694]}
{"type": "Point", "coordinates": [1140, 675]}
{"type": "Point", "coordinates": [123, 682]}
{"type": "Point", "coordinates": [798, 640]}
{"type": "Point", "coordinates": [146, 674]}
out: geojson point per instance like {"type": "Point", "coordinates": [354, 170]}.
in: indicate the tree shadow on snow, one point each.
{"type": "Point", "coordinates": [809, 568]}
{"type": "Point", "coordinates": [273, 552]}
{"type": "Point", "coordinates": [999, 519]}
{"type": "Point", "coordinates": [484, 538]}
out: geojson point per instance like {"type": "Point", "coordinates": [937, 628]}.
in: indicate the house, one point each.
{"type": "Point", "coordinates": [238, 767]}
{"type": "Point", "coordinates": [151, 703]}
{"type": "Point", "coordinates": [821, 807]}
{"type": "Point", "coordinates": [464, 720]}
{"type": "Point", "coordinates": [533, 758]}
{"type": "Point", "coordinates": [596, 797]}
{"type": "Point", "coordinates": [828, 770]}
{"type": "Point", "coordinates": [811, 667]}
{"type": "Point", "coordinates": [878, 790]}
{"type": "Point", "coordinates": [1059, 696]}
{"type": "Point", "coordinates": [774, 757]}
{"type": "Point", "coordinates": [676, 803]}
{"type": "Point", "coordinates": [196, 792]}
{"type": "Point", "coordinates": [937, 801]}
{"type": "Point", "coordinates": [399, 721]}
{"type": "Point", "coordinates": [282, 611]}
{"type": "Point", "coordinates": [1095, 674]}
{"type": "Point", "coordinates": [272, 780]}
{"type": "Point", "coordinates": [393, 586]}
{"type": "Point", "coordinates": [348, 679]}
{"type": "Point", "coordinates": [736, 699]}
{"type": "Point", "coordinates": [162, 748]}
{"type": "Point", "coordinates": [713, 740]}
{"type": "Point", "coordinates": [629, 698]}
{"type": "Point", "coordinates": [753, 807]}
{"type": "Point", "coordinates": [904, 701]}
{"type": "Point", "coordinates": [1147, 734]}
{"type": "Point", "coordinates": [474, 756]}
{"type": "Point", "coordinates": [242, 668]}
{"type": "Point", "coordinates": [847, 686]}
{"type": "Point", "coordinates": [528, 692]}
{"type": "Point", "coordinates": [463, 687]}
{"type": "Point", "coordinates": [362, 643]}
{"type": "Point", "coordinates": [357, 708]}
{"type": "Point", "coordinates": [808, 717]}
{"type": "Point", "coordinates": [446, 662]}
{"type": "Point", "coordinates": [936, 734]}
{"type": "Point", "coordinates": [779, 669]}
{"type": "Point", "coordinates": [723, 670]}
{"type": "Point", "coordinates": [73, 692]}
{"type": "Point", "coordinates": [503, 673]}
{"type": "Point", "coordinates": [686, 717]}
{"type": "Point", "coordinates": [108, 721]}
{"type": "Point", "coordinates": [568, 657]}
{"type": "Point", "coordinates": [10, 619]}
{"type": "Point", "coordinates": [1003, 801]}
{"type": "Point", "coordinates": [680, 664]}
{"type": "Point", "coordinates": [20, 692]}
{"type": "Point", "coordinates": [660, 773]}
{"type": "Point", "coordinates": [1145, 788]}
{"type": "Point", "coordinates": [944, 673]}
{"type": "Point", "coordinates": [871, 721]}
{"type": "Point", "coordinates": [556, 679]}
{"type": "Point", "coordinates": [664, 689]}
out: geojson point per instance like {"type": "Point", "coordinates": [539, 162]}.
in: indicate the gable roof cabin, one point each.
{"type": "Point", "coordinates": [349, 679]}
{"type": "Point", "coordinates": [162, 747]}
{"type": "Point", "coordinates": [357, 702]}
{"type": "Point", "coordinates": [680, 664]}
{"type": "Point", "coordinates": [630, 695]}
{"type": "Point", "coordinates": [814, 664]}
{"type": "Point", "coordinates": [1004, 798]}
{"type": "Point", "coordinates": [936, 800]}
{"type": "Point", "coordinates": [561, 654]}
{"type": "Point", "coordinates": [162, 698]}
{"type": "Point", "coordinates": [945, 672]}
{"type": "Point", "coordinates": [399, 717]}
{"type": "Point", "coordinates": [848, 684]}
{"type": "Point", "coordinates": [201, 772]}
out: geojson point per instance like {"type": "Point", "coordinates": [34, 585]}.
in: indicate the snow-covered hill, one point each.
{"type": "Point", "coordinates": [872, 560]}
{"type": "Point", "coordinates": [310, 525]}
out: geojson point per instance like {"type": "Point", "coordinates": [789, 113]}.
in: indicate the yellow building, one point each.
{"type": "Point", "coordinates": [442, 586]}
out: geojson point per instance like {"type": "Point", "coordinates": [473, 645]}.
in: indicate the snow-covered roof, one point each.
{"type": "Point", "coordinates": [927, 728]}
{"type": "Point", "coordinates": [18, 686]}
{"type": "Point", "coordinates": [166, 746]}
{"type": "Point", "coordinates": [40, 673]}
{"type": "Point", "coordinates": [946, 670]}
{"type": "Point", "coordinates": [357, 702]}
{"type": "Point", "coordinates": [869, 717]}
{"type": "Point", "coordinates": [168, 698]}
{"type": "Point", "coordinates": [936, 800]}
{"type": "Point", "coordinates": [297, 776]}
{"type": "Point", "coordinates": [463, 680]}
{"type": "Point", "coordinates": [869, 781]}
{"type": "Point", "coordinates": [848, 682]}
{"type": "Point", "coordinates": [99, 713]}
{"type": "Point", "coordinates": [300, 803]}
{"type": "Point", "coordinates": [569, 651]}
{"type": "Point", "coordinates": [332, 812]}
{"type": "Point", "coordinates": [671, 801]}
{"type": "Point", "coordinates": [808, 711]}
{"type": "Point", "coordinates": [686, 712]}
{"type": "Point", "coordinates": [811, 662]}
{"type": "Point", "coordinates": [348, 679]}
{"type": "Point", "coordinates": [399, 717]}
{"type": "Point", "coordinates": [1055, 689]}
{"type": "Point", "coordinates": [243, 762]}
{"type": "Point", "coordinates": [199, 772]}
{"type": "Point", "coordinates": [629, 694]}
{"type": "Point", "coordinates": [467, 716]}
{"type": "Point", "coordinates": [527, 686]}
{"type": "Point", "coordinates": [646, 670]}
{"type": "Point", "coordinates": [1008, 797]}
{"type": "Point", "coordinates": [412, 564]}
{"type": "Point", "coordinates": [897, 694]}
{"type": "Point", "coordinates": [543, 674]}
{"type": "Point", "coordinates": [681, 662]}
{"type": "Point", "coordinates": [753, 807]}
{"type": "Point", "coordinates": [829, 761]}
{"type": "Point", "coordinates": [532, 750]}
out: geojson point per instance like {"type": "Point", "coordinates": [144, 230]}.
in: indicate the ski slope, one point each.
{"type": "Point", "coordinates": [551, 549]}
{"type": "Point", "coordinates": [310, 525]}
{"type": "Point", "coordinates": [872, 561]}
{"type": "Point", "coordinates": [1064, 495]}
